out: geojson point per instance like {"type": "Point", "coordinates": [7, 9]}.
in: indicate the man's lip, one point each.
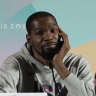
{"type": "Point", "coordinates": [50, 45]}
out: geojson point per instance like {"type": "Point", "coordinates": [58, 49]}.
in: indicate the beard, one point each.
{"type": "Point", "coordinates": [50, 53]}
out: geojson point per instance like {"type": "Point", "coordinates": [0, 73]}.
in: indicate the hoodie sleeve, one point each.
{"type": "Point", "coordinates": [9, 75]}
{"type": "Point", "coordinates": [82, 82]}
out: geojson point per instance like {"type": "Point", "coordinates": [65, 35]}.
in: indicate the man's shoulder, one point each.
{"type": "Point", "coordinates": [72, 56]}
{"type": "Point", "coordinates": [17, 55]}
{"type": "Point", "coordinates": [11, 59]}
{"type": "Point", "coordinates": [75, 60]}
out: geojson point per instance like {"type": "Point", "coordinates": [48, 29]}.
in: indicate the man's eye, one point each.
{"type": "Point", "coordinates": [39, 33]}
{"type": "Point", "coordinates": [53, 30]}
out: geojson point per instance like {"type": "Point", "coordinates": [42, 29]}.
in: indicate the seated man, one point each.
{"type": "Point", "coordinates": [43, 64]}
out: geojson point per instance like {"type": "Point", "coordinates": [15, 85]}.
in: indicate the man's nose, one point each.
{"type": "Point", "coordinates": [48, 36]}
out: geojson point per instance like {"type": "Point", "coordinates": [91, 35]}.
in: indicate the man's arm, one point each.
{"type": "Point", "coordinates": [58, 58]}
{"type": "Point", "coordinates": [80, 81]}
{"type": "Point", "coordinates": [75, 85]}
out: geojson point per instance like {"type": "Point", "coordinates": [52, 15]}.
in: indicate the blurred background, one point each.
{"type": "Point", "coordinates": [75, 17]}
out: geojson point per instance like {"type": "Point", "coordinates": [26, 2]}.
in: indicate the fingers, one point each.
{"type": "Point", "coordinates": [66, 45]}
{"type": "Point", "coordinates": [62, 33]}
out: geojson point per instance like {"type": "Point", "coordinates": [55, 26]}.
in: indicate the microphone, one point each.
{"type": "Point", "coordinates": [51, 66]}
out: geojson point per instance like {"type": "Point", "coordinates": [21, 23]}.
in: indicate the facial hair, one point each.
{"type": "Point", "coordinates": [51, 52]}
{"type": "Point", "coordinates": [47, 55]}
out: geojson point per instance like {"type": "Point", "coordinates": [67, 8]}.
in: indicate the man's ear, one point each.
{"type": "Point", "coordinates": [28, 37]}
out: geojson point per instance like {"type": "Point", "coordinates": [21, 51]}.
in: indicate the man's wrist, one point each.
{"type": "Point", "coordinates": [62, 70]}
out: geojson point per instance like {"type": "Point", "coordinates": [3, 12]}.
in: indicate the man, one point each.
{"type": "Point", "coordinates": [47, 46]}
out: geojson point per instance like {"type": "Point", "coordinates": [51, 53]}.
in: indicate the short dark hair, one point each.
{"type": "Point", "coordinates": [35, 16]}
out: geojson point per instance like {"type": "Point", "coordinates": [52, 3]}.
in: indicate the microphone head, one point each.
{"type": "Point", "coordinates": [51, 65]}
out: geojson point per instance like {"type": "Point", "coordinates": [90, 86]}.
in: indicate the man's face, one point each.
{"type": "Point", "coordinates": [44, 37]}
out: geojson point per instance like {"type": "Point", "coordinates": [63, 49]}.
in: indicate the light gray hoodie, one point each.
{"type": "Point", "coordinates": [78, 83]}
